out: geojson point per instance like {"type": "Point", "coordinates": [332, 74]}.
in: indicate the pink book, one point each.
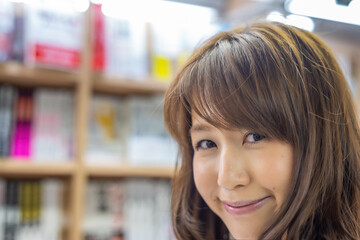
{"type": "Point", "coordinates": [21, 141]}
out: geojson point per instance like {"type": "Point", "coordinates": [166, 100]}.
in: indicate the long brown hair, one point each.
{"type": "Point", "coordinates": [284, 83]}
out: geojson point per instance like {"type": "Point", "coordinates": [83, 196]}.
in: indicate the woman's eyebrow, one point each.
{"type": "Point", "coordinates": [199, 128]}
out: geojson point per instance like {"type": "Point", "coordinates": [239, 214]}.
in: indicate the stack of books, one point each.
{"type": "Point", "coordinates": [31, 209]}
{"type": "Point", "coordinates": [36, 125]}
{"type": "Point", "coordinates": [129, 130]}
{"type": "Point", "coordinates": [129, 209]}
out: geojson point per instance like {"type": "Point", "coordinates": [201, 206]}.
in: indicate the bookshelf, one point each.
{"type": "Point", "coordinates": [109, 85]}
{"type": "Point", "coordinates": [128, 171]}
{"type": "Point", "coordinates": [76, 172]}
{"type": "Point", "coordinates": [21, 168]}
{"type": "Point", "coordinates": [20, 75]}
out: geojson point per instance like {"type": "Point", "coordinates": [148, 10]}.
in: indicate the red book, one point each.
{"type": "Point", "coordinates": [98, 63]}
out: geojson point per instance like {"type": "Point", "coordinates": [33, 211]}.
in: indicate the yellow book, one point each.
{"type": "Point", "coordinates": [162, 68]}
{"type": "Point", "coordinates": [36, 202]}
{"type": "Point", "coordinates": [22, 200]}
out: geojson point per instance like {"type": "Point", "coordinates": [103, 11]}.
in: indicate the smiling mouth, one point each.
{"type": "Point", "coordinates": [244, 207]}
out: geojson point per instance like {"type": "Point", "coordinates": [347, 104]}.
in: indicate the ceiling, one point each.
{"type": "Point", "coordinates": [242, 11]}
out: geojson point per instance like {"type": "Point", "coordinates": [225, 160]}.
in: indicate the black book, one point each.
{"type": "Point", "coordinates": [11, 210]}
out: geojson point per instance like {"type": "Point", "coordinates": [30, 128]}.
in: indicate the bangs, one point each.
{"type": "Point", "coordinates": [238, 86]}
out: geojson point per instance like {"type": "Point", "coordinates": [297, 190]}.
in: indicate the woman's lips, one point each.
{"type": "Point", "coordinates": [244, 207]}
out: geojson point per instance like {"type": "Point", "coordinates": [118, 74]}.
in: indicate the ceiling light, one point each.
{"type": "Point", "coordinates": [293, 20]}
{"type": "Point", "coordinates": [326, 9]}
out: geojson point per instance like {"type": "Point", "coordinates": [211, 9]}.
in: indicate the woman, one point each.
{"type": "Point", "coordinates": [268, 138]}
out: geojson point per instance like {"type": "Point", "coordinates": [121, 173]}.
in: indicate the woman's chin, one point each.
{"type": "Point", "coordinates": [244, 236]}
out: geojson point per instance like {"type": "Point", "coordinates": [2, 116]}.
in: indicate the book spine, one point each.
{"type": "Point", "coordinates": [106, 144]}
{"type": "Point", "coordinates": [12, 210]}
{"type": "Point", "coordinates": [36, 202]}
{"type": "Point", "coordinates": [116, 209]}
{"type": "Point", "coordinates": [66, 115]}
{"type": "Point", "coordinates": [98, 18]}
{"type": "Point", "coordinates": [51, 217]}
{"type": "Point", "coordinates": [7, 96]}
{"type": "Point", "coordinates": [53, 38]}
{"type": "Point", "coordinates": [42, 142]}
{"type": "Point", "coordinates": [53, 125]}
{"type": "Point", "coordinates": [68, 124]}
{"type": "Point", "coordinates": [2, 206]}
{"type": "Point", "coordinates": [17, 48]}
{"type": "Point", "coordinates": [147, 132]}
{"type": "Point", "coordinates": [126, 50]}
{"type": "Point", "coordinates": [6, 27]}
{"type": "Point", "coordinates": [21, 144]}
{"type": "Point", "coordinates": [29, 209]}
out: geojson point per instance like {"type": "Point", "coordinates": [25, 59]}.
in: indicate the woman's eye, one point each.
{"type": "Point", "coordinates": [253, 137]}
{"type": "Point", "coordinates": [205, 144]}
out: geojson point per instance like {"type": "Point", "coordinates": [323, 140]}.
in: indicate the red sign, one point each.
{"type": "Point", "coordinates": [56, 56]}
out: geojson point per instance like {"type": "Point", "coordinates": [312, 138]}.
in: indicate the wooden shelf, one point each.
{"type": "Point", "coordinates": [21, 75]}
{"type": "Point", "coordinates": [112, 171]}
{"type": "Point", "coordinates": [127, 86]}
{"type": "Point", "coordinates": [20, 168]}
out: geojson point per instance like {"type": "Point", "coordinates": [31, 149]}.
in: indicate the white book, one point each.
{"type": "Point", "coordinates": [66, 125]}
{"type": "Point", "coordinates": [29, 232]}
{"type": "Point", "coordinates": [104, 208]}
{"type": "Point", "coordinates": [116, 196]}
{"type": "Point", "coordinates": [53, 125]}
{"type": "Point", "coordinates": [51, 220]}
{"type": "Point", "coordinates": [127, 206]}
{"type": "Point", "coordinates": [95, 219]}
{"type": "Point", "coordinates": [148, 141]}
{"type": "Point", "coordinates": [162, 194]}
{"type": "Point", "coordinates": [106, 130]}
{"type": "Point", "coordinates": [43, 129]}
{"type": "Point", "coordinates": [53, 34]}
{"type": "Point", "coordinates": [126, 48]}
{"type": "Point", "coordinates": [147, 207]}
{"type": "Point", "coordinates": [6, 28]}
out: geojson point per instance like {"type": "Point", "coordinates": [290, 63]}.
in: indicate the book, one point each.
{"type": "Point", "coordinates": [117, 209]}
{"type": "Point", "coordinates": [11, 221]}
{"type": "Point", "coordinates": [36, 124]}
{"type": "Point", "coordinates": [21, 136]}
{"type": "Point", "coordinates": [172, 41]}
{"type": "Point", "coordinates": [31, 209]}
{"type": "Point", "coordinates": [2, 206]}
{"type": "Point", "coordinates": [104, 209]}
{"type": "Point", "coordinates": [106, 130]}
{"type": "Point", "coordinates": [29, 202]}
{"type": "Point", "coordinates": [53, 125]}
{"type": "Point", "coordinates": [148, 141]}
{"type": "Point", "coordinates": [51, 217]}
{"type": "Point", "coordinates": [126, 53]}
{"type": "Point", "coordinates": [17, 47]}
{"type": "Point", "coordinates": [98, 21]}
{"type": "Point", "coordinates": [53, 34]}
{"type": "Point", "coordinates": [6, 28]}
{"type": "Point", "coordinates": [7, 99]}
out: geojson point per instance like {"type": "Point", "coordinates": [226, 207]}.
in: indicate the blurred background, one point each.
{"type": "Point", "coordinates": [84, 153]}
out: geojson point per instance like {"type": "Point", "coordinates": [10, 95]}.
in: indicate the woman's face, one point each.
{"type": "Point", "coordinates": [242, 176]}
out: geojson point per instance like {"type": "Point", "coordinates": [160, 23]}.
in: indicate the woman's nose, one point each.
{"type": "Point", "coordinates": [232, 169]}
